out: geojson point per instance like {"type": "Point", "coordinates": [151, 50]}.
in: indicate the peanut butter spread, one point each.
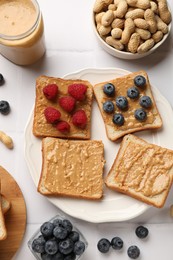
{"type": "Point", "coordinates": [145, 168]}
{"type": "Point", "coordinates": [74, 167]}
{"type": "Point", "coordinates": [122, 84]}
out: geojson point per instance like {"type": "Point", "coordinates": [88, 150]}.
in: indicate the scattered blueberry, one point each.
{"type": "Point", "coordinates": [122, 102]}
{"type": "Point", "coordinates": [118, 119]}
{"type": "Point", "coordinates": [60, 232]}
{"type": "Point", "coordinates": [145, 101]}
{"type": "Point", "coordinates": [1, 79]}
{"type": "Point", "coordinates": [51, 247]}
{"type": "Point", "coordinates": [70, 256]}
{"type": "Point", "coordinates": [103, 245]}
{"type": "Point", "coordinates": [4, 107]}
{"type": "Point", "coordinates": [38, 244]}
{"type": "Point", "coordinates": [133, 93]}
{"type": "Point", "coordinates": [133, 252]}
{"type": "Point", "coordinates": [57, 222]}
{"type": "Point", "coordinates": [140, 114]}
{"type": "Point", "coordinates": [108, 106]}
{"type": "Point", "coordinates": [74, 235]}
{"type": "Point", "coordinates": [109, 89]}
{"type": "Point", "coordinates": [47, 229]}
{"type": "Point", "coordinates": [141, 232]}
{"type": "Point", "coordinates": [116, 243]}
{"type": "Point", "coordinates": [79, 247]}
{"type": "Point", "coordinates": [140, 81]}
{"type": "Point", "coordinates": [67, 225]}
{"type": "Point", "coordinates": [66, 246]}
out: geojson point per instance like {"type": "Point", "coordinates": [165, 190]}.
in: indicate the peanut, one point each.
{"type": "Point", "coordinates": [121, 9]}
{"type": "Point", "coordinates": [149, 17]}
{"type": "Point", "coordinates": [118, 23]}
{"type": "Point", "coordinates": [164, 12]}
{"type": "Point", "coordinates": [112, 7]}
{"type": "Point", "coordinates": [129, 28]}
{"type": "Point", "coordinates": [144, 34]}
{"type": "Point", "coordinates": [157, 37]}
{"type": "Point", "coordinates": [154, 7]}
{"type": "Point", "coordinates": [114, 43]}
{"type": "Point", "coordinates": [161, 26]}
{"type": "Point", "coordinates": [99, 5]}
{"type": "Point", "coordinates": [136, 13]}
{"type": "Point", "coordinates": [141, 23]}
{"type": "Point", "coordinates": [7, 140]}
{"type": "Point", "coordinates": [146, 46]}
{"type": "Point", "coordinates": [143, 4]}
{"type": "Point", "coordinates": [116, 33]}
{"type": "Point", "coordinates": [98, 17]}
{"type": "Point", "coordinates": [103, 30]}
{"type": "Point", "coordinates": [107, 18]}
{"type": "Point", "coordinates": [134, 42]}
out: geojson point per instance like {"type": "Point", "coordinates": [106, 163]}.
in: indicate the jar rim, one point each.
{"type": "Point", "coordinates": [28, 32]}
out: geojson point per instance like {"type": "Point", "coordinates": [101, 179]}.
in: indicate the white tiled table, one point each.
{"type": "Point", "coordinates": [71, 45]}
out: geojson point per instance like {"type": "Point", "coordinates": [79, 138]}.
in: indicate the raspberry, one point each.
{"type": "Point", "coordinates": [67, 103]}
{"type": "Point", "coordinates": [63, 126]}
{"type": "Point", "coordinates": [77, 91]}
{"type": "Point", "coordinates": [50, 91]}
{"type": "Point", "coordinates": [79, 119]}
{"type": "Point", "coordinates": [52, 115]}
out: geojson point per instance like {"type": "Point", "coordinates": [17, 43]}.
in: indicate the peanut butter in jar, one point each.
{"type": "Point", "coordinates": [21, 31]}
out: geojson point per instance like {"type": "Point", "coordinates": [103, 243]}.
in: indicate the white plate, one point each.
{"type": "Point", "coordinates": [114, 206]}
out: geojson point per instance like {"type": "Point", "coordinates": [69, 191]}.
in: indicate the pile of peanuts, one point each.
{"type": "Point", "coordinates": [133, 26]}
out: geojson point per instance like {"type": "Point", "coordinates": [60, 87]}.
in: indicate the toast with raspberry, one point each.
{"type": "Point", "coordinates": [62, 108]}
{"type": "Point", "coordinates": [72, 168]}
{"type": "Point", "coordinates": [142, 170]}
{"type": "Point", "coordinates": [127, 105]}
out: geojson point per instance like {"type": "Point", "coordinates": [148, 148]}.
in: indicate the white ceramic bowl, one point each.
{"type": "Point", "coordinates": [123, 54]}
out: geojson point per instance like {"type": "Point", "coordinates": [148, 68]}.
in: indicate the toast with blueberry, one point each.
{"type": "Point", "coordinates": [127, 105]}
{"type": "Point", "coordinates": [3, 231]}
{"type": "Point", "coordinates": [142, 170]}
{"type": "Point", "coordinates": [62, 108]}
{"type": "Point", "coordinates": [72, 168]}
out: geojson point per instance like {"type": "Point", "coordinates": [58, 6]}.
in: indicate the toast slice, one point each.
{"type": "Point", "coordinates": [72, 168]}
{"type": "Point", "coordinates": [3, 231]}
{"type": "Point", "coordinates": [142, 170]}
{"type": "Point", "coordinates": [131, 124]}
{"type": "Point", "coordinates": [5, 204]}
{"type": "Point", "coordinates": [41, 128]}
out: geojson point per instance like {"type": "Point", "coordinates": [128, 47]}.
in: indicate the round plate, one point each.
{"type": "Point", "coordinates": [15, 218]}
{"type": "Point", "coordinates": [114, 206]}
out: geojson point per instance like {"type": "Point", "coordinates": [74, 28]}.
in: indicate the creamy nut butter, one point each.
{"type": "Point", "coordinates": [145, 168]}
{"type": "Point", "coordinates": [21, 31]}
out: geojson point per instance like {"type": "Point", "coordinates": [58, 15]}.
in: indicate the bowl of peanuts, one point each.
{"type": "Point", "coordinates": [131, 29]}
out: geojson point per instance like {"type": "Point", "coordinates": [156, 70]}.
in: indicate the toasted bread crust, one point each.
{"type": "Point", "coordinates": [121, 84]}
{"type": "Point", "coordinates": [125, 186]}
{"type": "Point", "coordinates": [40, 126]}
{"type": "Point", "coordinates": [3, 231]}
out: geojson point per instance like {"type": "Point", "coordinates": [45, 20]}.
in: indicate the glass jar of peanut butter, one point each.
{"type": "Point", "coordinates": [21, 31]}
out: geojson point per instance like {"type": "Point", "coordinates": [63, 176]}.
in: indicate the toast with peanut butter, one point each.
{"type": "Point", "coordinates": [72, 168]}
{"type": "Point", "coordinates": [142, 170]}
{"type": "Point", "coordinates": [127, 105]}
{"type": "Point", "coordinates": [3, 231]}
{"type": "Point", "coordinates": [62, 108]}
{"type": "Point", "coordinates": [5, 204]}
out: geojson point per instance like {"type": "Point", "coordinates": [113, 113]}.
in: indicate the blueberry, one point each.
{"type": "Point", "coordinates": [51, 247]}
{"type": "Point", "coordinates": [58, 256]}
{"type": "Point", "coordinates": [4, 107]}
{"type": "Point", "coordinates": [45, 256]}
{"type": "Point", "coordinates": [60, 232]}
{"type": "Point", "coordinates": [109, 89]}
{"type": "Point", "coordinates": [67, 225]}
{"type": "Point", "coordinates": [140, 114]}
{"type": "Point", "coordinates": [70, 256]}
{"type": "Point", "coordinates": [38, 244]}
{"type": "Point", "coordinates": [133, 252]}
{"type": "Point", "coordinates": [108, 106]}
{"type": "Point", "coordinates": [74, 235]}
{"type": "Point", "coordinates": [140, 81]}
{"type": "Point", "coordinates": [118, 119]}
{"type": "Point", "coordinates": [57, 222]}
{"type": "Point", "coordinates": [1, 79]}
{"type": "Point", "coordinates": [133, 93]}
{"type": "Point", "coordinates": [47, 229]}
{"type": "Point", "coordinates": [103, 245]}
{"type": "Point", "coordinates": [79, 247]}
{"type": "Point", "coordinates": [122, 102]}
{"type": "Point", "coordinates": [116, 243]}
{"type": "Point", "coordinates": [145, 101]}
{"type": "Point", "coordinates": [141, 232]}
{"type": "Point", "coordinates": [66, 246]}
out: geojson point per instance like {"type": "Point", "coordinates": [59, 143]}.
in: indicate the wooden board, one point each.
{"type": "Point", "coordinates": [15, 218]}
